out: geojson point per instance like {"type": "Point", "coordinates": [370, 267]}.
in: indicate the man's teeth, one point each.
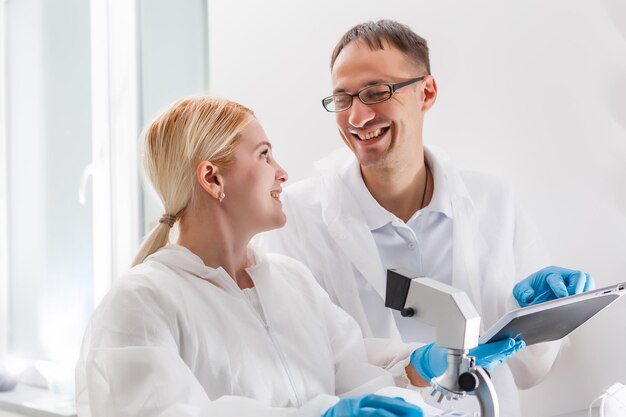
{"type": "Point", "coordinates": [370, 135]}
{"type": "Point", "coordinates": [274, 194]}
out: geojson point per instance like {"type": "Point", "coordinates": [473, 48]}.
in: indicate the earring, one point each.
{"type": "Point", "coordinates": [221, 196]}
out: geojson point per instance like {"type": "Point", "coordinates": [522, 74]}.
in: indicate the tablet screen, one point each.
{"type": "Point", "coordinates": [552, 320]}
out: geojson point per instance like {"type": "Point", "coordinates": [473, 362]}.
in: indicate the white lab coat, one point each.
{"type": "Point", "coordinates": [176, 338]}
{"type": "Point", "coordinates": [494, 245]}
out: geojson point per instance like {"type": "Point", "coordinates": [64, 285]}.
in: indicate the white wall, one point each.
{"type": "Point", "coordinates": [534, 92]}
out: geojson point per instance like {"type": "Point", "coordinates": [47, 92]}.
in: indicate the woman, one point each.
{"type": "Point", "coordinates": [211, 326]}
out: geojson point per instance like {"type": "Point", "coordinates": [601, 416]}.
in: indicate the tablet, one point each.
{"type": "Point", "coordinates": [553, 319]}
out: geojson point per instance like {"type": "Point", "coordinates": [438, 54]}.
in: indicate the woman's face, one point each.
{"type": "Point", "coordinates": [253, 183]}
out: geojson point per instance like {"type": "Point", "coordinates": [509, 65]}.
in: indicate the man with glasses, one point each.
{"type": "Point", "coordinates": [394, 203]}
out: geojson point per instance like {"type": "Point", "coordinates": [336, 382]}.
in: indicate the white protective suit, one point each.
{"type": "Point", "coordinates": [493, 246]}
{"type": "Point", "coordinates": [176, 338]}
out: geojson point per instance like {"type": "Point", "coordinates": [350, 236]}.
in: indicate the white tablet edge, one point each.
{"type": "Point", "coordinates": [615, 289]}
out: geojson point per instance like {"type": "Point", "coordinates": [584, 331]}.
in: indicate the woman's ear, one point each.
{"type": "Point", "coordinates": [210, 179]}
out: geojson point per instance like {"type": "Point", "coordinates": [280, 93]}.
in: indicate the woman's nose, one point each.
{"type": "Point", "coordinates": [281, 174]}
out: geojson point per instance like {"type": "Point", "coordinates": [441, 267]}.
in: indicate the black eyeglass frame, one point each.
{"type": "Point", "coordinates": [392, 89]}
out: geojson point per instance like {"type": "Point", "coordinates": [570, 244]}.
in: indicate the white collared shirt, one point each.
{"type": "Point", "coordinates": [423, 245]}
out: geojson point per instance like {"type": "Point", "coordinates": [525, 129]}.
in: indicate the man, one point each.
{"type": "Point", "coordinates": [394, 203]}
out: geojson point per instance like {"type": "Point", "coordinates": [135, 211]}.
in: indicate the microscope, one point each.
{"type": "Point", "coordinates": [457, 324]}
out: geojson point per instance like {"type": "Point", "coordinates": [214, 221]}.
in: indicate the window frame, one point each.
{"type": "Point", "coordinates": [115, 127]}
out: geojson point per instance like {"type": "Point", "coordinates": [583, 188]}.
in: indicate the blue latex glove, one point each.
{"type": "Point", "coordinates": [430, 361]}
{"type": "Point", "coordinates": [551, 283]}
{"type": "Point", "coordinates": [372, 405]}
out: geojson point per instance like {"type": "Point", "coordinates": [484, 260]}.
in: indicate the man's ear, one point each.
{"type": "Point", "coordinates": [210, 179]}
{"type": "Point", "coordinates": [430, 92]}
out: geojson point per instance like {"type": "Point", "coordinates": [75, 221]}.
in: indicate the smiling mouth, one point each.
{"type": "Point", "coordinates": [370, 135]}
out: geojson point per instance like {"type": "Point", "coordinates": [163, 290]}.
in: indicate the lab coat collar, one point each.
{"type": "Point", "coordinates": [179, 257]}
{"type": "Point", "coordinates": [446, 176]}
{"type": "Point", "coordinates": [375, 215]}
{"type": "Point", "coordinates": [347, 168]}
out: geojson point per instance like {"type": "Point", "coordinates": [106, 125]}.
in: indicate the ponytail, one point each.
{"type": "Point", "coordinates": [158, 237]}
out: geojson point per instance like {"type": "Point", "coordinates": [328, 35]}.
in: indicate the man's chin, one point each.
{"type": "Point", "coordinates": [369, 160]}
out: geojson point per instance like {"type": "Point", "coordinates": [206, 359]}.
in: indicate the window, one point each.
{"type": "Point", "coordinates": [78, 81]}
{"type": "Point", "coordinates": [49, 232]}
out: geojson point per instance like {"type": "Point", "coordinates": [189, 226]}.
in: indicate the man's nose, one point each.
{"type": "Point", "coordinates": [360, 113]}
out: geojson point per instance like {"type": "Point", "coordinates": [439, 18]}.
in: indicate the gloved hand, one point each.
{"type": "Point", "coordinates": [551, 283]}
{"type": "Point", "coordinates": [372, 405]}
{"type": "Point", "coordinates": [430, 361]}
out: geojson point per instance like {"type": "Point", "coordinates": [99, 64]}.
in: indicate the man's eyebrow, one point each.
{"type": "Point", "coordinates": [369, 84]}
{"type": "Point", "coordinates": [263, 143]}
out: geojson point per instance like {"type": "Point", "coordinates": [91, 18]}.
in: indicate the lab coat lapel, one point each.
{"type": "Point", "coordinates": [467, 243]}
{"type": "Point", "coordinates": [356, 242]}
{"type": "Point", "coordinates": [349, 230]}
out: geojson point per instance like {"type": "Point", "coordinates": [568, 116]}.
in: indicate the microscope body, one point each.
{"type": "Point", "coordinates": [457, 325]}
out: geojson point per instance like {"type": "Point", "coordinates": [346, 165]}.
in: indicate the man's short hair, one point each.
{"type": "Point", "coordinates": [374, 34]}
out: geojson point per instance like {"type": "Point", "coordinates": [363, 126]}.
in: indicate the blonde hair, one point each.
{"type": "Point", "coordinates": [189, 132]}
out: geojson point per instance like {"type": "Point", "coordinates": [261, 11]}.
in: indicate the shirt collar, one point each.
{"type": "Point", "coordinates": [441, 200]}
{"type": "Point", "coordinates": [375, 215]}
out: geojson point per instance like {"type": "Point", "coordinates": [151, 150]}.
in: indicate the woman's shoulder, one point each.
{"type": "Point", "coordinates": [148, 285]}
{"type": "Point", "coordinates": [147, 276]}
{"type": "Point", "coordinates": [141, 309]}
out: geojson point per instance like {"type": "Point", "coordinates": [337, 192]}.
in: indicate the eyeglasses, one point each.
{"type": "Point", "coordinates": [369, 95]}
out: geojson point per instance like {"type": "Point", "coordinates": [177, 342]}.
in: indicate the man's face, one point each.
{"type": "Point", "coordinates": [388, 133]}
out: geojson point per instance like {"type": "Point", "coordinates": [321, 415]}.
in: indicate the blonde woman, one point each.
{"type": "Point", "coordinates": [209, 326]}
